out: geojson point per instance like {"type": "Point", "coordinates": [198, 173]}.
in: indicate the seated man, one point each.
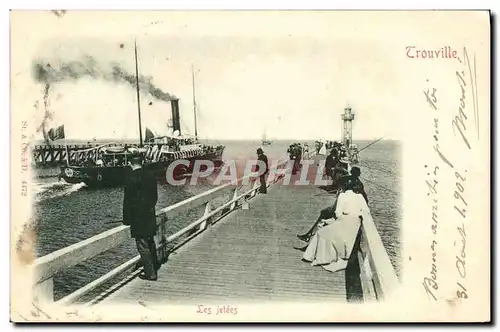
{"type": "Point", "coordinates": [330, 164]}
{"type": "Point", "coordinates": [339, 171]}
{"type": "Point", "coordinates": [359, 187]}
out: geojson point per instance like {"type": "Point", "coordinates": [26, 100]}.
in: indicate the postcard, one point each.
{"type": "Point", "coordinates": [250, 166]}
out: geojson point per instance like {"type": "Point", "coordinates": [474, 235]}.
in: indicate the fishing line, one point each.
{"type": "Point", "coordinates": [380, 186]}
{"type": "Point", "coordinates": [325, 194]}
{"type": "Point", "coordinates": [378, 168]}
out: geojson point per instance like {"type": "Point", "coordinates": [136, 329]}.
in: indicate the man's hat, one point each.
{"type": "Point", "coordinates": [356, 171]}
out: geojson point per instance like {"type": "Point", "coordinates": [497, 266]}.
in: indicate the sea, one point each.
{"type": "Point", "coordinates": [65, 214]}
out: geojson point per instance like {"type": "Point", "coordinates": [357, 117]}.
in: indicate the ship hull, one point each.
{"type": "Point", "coordinates": [114, 176]}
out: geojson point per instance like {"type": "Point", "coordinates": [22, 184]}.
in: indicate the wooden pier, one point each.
{"type": "Point", "coordinates": [248, 256]}
{"type": "Point", "coordinates": [240, 248]}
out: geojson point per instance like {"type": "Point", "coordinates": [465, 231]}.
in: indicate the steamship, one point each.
{"type": "Point", "coordinates": [105, 165]}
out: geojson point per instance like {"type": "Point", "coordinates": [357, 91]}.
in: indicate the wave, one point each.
{"type": "Point", "coordinates": [45, 191]}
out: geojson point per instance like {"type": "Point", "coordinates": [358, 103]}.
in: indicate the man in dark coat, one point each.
{"type": "Point", "coordinates": [330, 164]}
{"type": "Point", "coordinates": [298, 157]}
{"type": "Point", "coordinates": [140, 197]}
{"type": "Point", "coordinates": [262, 157]}
{"type": "Point", "coordinates": [341, 169]}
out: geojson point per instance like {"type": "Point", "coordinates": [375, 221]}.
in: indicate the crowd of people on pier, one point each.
{"type": "Point", "coordinates": [332, 237]}
{"type": "Point", "coordinates": [337, 164]}
{"type": "Point", "coordinates": [330, 240]}
{"type": "Point", "coordinates": [296, 152]}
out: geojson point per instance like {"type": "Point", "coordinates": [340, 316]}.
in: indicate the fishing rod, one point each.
{"type": "Point", "coordinates": [381, 138]}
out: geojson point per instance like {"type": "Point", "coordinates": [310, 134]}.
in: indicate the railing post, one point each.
{"type": "Point", "coordinates": [208, 209]}
{"type": "Point", "coordinates": [235, 194]}
{"type": "Point", "coordinates": [366, 277]}
{"type": "Point", "coordinates": [244, 204]}
{"type": "Point", "coordinates": [44, 292]}
{"type": "Point", "coordinates": [161, 238]}
{"type": "Point", "coordinates": [365, 271]}
{"type": "Point", "coordinates": [256, 184]}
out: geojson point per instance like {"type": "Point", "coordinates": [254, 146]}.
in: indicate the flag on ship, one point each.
{"type": "Point", "coordinates": [149, 135]}
{"type": "Point", "coordinates": [57, 133]}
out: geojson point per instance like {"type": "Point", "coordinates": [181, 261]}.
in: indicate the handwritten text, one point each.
{"type": "Point", "coordinates": [430, 282]}
{"type": "Point", "coordinates": [460, 208]}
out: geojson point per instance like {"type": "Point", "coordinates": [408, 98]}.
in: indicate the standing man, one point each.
{"type": "Point", "coordinates": [140, 197]}
{"type": "Point", "coordinates": [262, 157]}
{"type": "Point", "coordinates": [330, 164]}
{"type": "Point", "coordinates": [298, 156]}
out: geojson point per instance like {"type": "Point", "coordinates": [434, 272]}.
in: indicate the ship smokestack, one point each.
{"type": "Point", "coordinates": [176, 120]}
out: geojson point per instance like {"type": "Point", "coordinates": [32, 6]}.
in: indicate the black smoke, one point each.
{"type": "Point", "coordinates": [47, 114]}
{"type": "Point", "coordinates": [57, 72]}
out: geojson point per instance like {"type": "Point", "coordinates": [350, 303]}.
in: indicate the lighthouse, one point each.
{"type": "Point", "coordinates": [347, 118]}
{"type": "Point", "coordinates": [352, 149]}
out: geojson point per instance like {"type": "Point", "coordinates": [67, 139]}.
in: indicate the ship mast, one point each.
{"type": "Point", "coordinates": [194, 104]}
{"type": "Point", "coordinates": [138, 95]}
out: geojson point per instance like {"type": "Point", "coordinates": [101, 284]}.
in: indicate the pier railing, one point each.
{"type": "Point", "coordinates": [377, 274]}
{"type": "Point", "coordinates": [47, 266]}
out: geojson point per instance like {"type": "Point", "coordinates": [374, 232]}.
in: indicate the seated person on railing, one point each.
{"type": "Point", "coordinates": [355, 174]}
{"type": "Point", "coordinates": [341, 169]}
{"type": "Point", "coordinates": [332, 244]}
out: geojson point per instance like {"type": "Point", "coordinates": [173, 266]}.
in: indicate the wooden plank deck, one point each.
{"type": "Point", "coordinates": [247, 256]}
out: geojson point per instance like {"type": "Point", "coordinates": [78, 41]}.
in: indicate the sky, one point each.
{"type": "Point", "coordinates": [291, 82]}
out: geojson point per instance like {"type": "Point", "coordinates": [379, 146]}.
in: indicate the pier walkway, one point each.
{"type": "Point", "coordinates": [247, 256]}
{"type": "Point", "coordinates": [238, 244]}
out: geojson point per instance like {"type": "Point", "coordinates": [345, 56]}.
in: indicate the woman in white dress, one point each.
{"type": "Point", "coordinates": [332, 245]}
